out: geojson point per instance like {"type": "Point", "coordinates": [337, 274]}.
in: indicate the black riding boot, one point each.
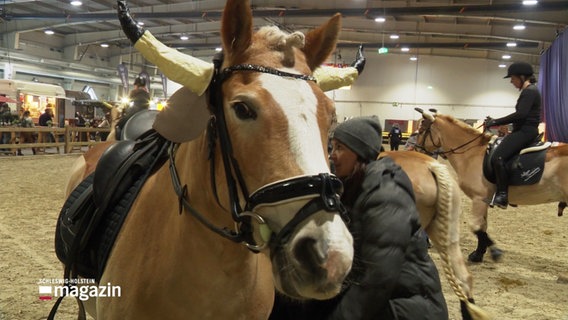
{"type": "Point", "coordinates": [500, 198]}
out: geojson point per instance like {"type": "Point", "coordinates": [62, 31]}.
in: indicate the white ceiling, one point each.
{"type": "Point", "coordinates": [457, 28]}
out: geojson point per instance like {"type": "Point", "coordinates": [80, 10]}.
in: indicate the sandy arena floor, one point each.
{"type": "Point", "coordinates": [523, 286]}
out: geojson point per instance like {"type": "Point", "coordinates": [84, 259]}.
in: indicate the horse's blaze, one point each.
{"type": "Point", "coordinates": [319, 254]}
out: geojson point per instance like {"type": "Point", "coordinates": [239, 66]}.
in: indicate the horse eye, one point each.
{"type": "Point", "coordinates": [243, 111]}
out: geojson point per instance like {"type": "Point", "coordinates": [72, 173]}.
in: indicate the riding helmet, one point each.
{"type": "Point", "coordinates": [519, 69]}
{"type": "Point", "coordinates": [140, 81]}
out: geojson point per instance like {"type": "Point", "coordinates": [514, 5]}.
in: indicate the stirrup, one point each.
{"type": "Point", "coordinates": [498, 204]}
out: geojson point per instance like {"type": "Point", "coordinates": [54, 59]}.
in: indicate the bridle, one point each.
{"type": "Point", "coordinates": [323, 188]}
{"type": "Point", "coordinates": [427, 133]}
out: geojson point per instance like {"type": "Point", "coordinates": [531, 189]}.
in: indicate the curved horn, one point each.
{"type": "Point", "coordinates": [194, 74]}
{"type": "Point", "coordinates": [434, 111]}
{"type": "Point", "coordinates": [428, 115]}
{"type": "Point", "coordinates": [419, 110]}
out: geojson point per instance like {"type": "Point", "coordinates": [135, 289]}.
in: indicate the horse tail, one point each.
{"type": "Point", "coordinates": [447, 219]}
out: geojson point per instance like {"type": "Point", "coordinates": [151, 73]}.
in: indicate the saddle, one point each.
{"type": "Point", "coordinates": [523, 169]}
{"type": "Point", "coordinates": [94, 212]}
{"type": "Point", "coordinates": [133, 126]}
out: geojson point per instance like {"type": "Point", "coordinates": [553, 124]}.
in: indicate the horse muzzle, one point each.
{"type": "Point", "coordinates": [310, 245]}
{"type": "Point", "coordinates": [323, 190]}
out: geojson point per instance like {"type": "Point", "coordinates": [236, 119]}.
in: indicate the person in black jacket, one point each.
{"type": "Point", "coordinates": [525, 120]}
{"type": "Point", "coordinates": [395, 137]}
{"type": "Point", "coordinates": [393, 277]}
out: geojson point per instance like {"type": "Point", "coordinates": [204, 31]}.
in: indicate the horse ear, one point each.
{"type": "Point", "coordinates": [320, 42]}
{"type": "Point", "coordinates": [236, 30]}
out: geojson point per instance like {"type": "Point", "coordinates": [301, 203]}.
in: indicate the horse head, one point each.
{"type": "Point", "coordinates": [428, 139]}
{"type": "Point", "coordinates": [268, 121]}
{"type": "Point", "coordinates": [275, 111]}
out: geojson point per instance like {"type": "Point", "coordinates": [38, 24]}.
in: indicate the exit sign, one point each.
{"type": "Point", "coordinates": [383, 50]}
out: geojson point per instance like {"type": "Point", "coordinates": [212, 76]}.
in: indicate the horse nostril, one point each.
{"type": "Point", "coordinates": [310, 252]}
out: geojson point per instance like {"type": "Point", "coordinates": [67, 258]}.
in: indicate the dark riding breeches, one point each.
{"type": "Point", "coordinates": [513, 143]}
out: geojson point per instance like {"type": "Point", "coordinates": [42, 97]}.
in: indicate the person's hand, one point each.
{"type": "Point", "coordinates": [131, 29]}
{"type": "Point", "coordinates": [360, 60]}
{"type": "Point", "coordinates": [489, 122]}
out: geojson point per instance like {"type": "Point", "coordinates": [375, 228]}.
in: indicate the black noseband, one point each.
{"type": "Point", "coordinates": [326, 188]}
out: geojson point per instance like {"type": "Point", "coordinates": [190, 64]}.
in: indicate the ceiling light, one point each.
{"type": "Point", "coordinates": [49, 32]}
{"type": "Point", "coordinates": [511, 44]}
{"type": "Point", "coordinates": [104, 45]}
{"type": "Point", "coordinates": [529, 2]}
{"type": "Point", "coordinates": [184, 38]}
{"type": "Point", "coordinates": [394, 36]}
{"type": "Point", "coordinates": [140, 23]}
{"type": "Point", "coordinates": [380, 19]}
{"type": "Point", "coordinates": [519, 27]}
{"type": "Point", "coordinates": [76, 3]}
{"type": "Point", "coordinates": [506, 56]}
{"type": "Point", "coordinates": [404, 49]}
{"type": "Point", "coordinates": [218, 49]}
{"type": "Point", "coordinates": [413, 58]}
{"type": "Point", "coordinates": [502, 65]}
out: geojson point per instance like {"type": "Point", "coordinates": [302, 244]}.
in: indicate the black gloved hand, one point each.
{"type": "Point", "coordinates": [489, 122]}
{"type": "Point", "coordinates": [360, 60]}
{"type": "Point", "coordinates": [131, 29]}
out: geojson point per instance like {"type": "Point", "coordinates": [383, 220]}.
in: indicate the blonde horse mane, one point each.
{"type": "Point", "coordinates": [469, 129]}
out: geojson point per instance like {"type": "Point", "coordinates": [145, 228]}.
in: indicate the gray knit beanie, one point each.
{"type": "Point", "coordinates": [363, 135]}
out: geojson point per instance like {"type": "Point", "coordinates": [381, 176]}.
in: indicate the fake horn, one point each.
{"type": "Point", "coordinates": [196, 74]}
{"type": "Point", "coordinates": [193, 73]}
{"type": "Point", "coordinates": [426, 114]}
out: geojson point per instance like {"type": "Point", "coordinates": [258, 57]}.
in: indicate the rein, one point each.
{"type": "Point", "coordinates": [324, 187]}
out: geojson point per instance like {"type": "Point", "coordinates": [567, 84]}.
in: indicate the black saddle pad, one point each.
{"type": "Point", "coordinates": [524, 169]}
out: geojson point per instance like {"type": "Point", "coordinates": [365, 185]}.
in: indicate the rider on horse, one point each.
{"type": "Point", "coordinates": [525, 120]}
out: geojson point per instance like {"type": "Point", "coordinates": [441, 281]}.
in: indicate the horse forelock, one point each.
{"type": "Point", "coordinates": [278, 49]}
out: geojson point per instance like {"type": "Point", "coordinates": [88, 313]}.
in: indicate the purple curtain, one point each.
{"type": "Point", "coordinates": [553, 84]}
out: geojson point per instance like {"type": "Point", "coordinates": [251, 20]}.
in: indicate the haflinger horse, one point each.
{"type": "Point", "coordinates": [465, 148]}
{"type": "Point", "coordinates": [439, 206]}
{"type": "Point", "coordinates": [261, 125]}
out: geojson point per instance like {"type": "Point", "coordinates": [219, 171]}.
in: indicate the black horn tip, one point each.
{"type": "Point", "coordinates": [433, 110]}
{"type": "Point", "coordinates": [131, 29]}
{"type": "Point", "coordinates": [360, 60]}
{"type": "Point", "coordinates": [419, 110]}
